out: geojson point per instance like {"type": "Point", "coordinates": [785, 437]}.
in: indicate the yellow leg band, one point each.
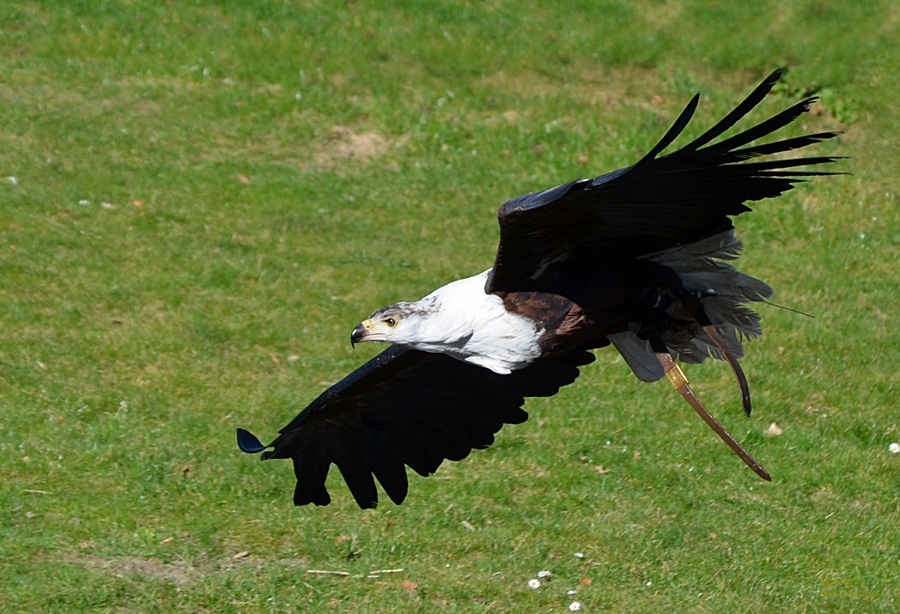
{"type": "Point", "coordinates": [677, 376]}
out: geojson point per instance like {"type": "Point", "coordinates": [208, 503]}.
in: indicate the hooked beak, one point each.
{"type": "Point", "coordinates": [359, 332]}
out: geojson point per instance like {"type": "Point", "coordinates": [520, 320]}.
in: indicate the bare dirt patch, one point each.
{"type": "Point", "coordinates": [179, 572]}
{"type": "Point", "coordinates": [345, 146]}
{"type": "Point", "coordinates": [176, 571]}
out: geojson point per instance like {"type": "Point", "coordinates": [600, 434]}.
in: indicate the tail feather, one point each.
{"type": "Point", "coordinates": [723, 291]}
{"type": "Point", "coordinates": [638, 355]}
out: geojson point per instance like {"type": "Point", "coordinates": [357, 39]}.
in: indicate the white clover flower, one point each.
{"type": "Point", "coordinates": [544, 574]}
{"type": "Point", "coordinates": [894, 448]}
{"type": "Point", "coordinates": [534, 583]}
{"type": "Point", "coordinates": [574, 606]}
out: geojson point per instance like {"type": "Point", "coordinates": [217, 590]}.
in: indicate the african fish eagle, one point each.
{"type": "Point", "coordinates": [636, 258]}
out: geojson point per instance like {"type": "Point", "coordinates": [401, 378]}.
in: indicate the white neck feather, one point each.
{"type": "Point", "coordinates": [467, 324]}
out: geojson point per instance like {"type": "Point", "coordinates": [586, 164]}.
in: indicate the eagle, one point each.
{"type": "Point", "coordinates": [638, 258]}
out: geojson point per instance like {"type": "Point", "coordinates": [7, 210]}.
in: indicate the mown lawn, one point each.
{"type": "Point", "coordinates": [199, 200]}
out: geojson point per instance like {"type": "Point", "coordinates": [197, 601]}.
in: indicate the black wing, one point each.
{"type": "Point", "coordinates": [657, 204]}
{"type": "Point", "coordinates": [405, 407]}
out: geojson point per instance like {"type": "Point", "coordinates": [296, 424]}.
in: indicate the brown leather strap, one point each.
{"type": "Point", "coordinates": [713, 334]}
{"type": "Point", "coordinates": [680, 382]}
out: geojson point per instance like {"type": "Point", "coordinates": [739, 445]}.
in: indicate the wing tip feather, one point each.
{"type": "Point", "coordinates": [248, 442]}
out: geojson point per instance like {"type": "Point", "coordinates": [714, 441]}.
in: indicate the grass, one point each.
{"type": "Point", "coordinates": [203, 198]}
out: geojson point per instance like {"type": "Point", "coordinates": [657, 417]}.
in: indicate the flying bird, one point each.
{"type": "Point", "coordinates": [637, 258]}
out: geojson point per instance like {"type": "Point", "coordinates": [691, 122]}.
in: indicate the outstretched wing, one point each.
{"type": "Point", "coordinates": [405, 407]}
{"type": "Point", "coordinates": [659, 203]}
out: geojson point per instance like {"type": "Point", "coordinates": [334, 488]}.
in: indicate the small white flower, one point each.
{"type": "Point", "coordinates": [649, 583]}
{"type": "Point", "coordinates": [544, 574]}
{"type": "Point", "coordinates": [579, 555]}
{"type": "Point", "coordinates": [574, 606]}
{"type": "Point", "coordinates": [894, 448]}
{"type": "Point", "coordinates": [534, 583]}
{"type": "Point", "coordinates": [571, 592]}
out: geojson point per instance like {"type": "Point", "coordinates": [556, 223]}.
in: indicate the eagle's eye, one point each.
{"type": "Point", "coordinates": [391, 322]}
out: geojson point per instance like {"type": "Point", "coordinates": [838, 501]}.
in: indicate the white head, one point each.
{"type": "Point", "coordinates": [403, 323]}
{"type": "Point", "coordinates": [461, 321]}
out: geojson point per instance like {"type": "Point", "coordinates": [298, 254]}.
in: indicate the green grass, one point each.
{"type": "Point", "coordinates": [208, 196]}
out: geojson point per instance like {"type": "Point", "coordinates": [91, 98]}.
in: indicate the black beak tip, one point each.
{"type": "Point", "coordinates": [357, 335]}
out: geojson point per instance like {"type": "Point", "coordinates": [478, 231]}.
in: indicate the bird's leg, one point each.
{"type": "Point", "coordinates": [680, 382]}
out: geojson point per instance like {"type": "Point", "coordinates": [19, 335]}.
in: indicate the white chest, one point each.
{"type": "Point", "coordinates": [470, 325]}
